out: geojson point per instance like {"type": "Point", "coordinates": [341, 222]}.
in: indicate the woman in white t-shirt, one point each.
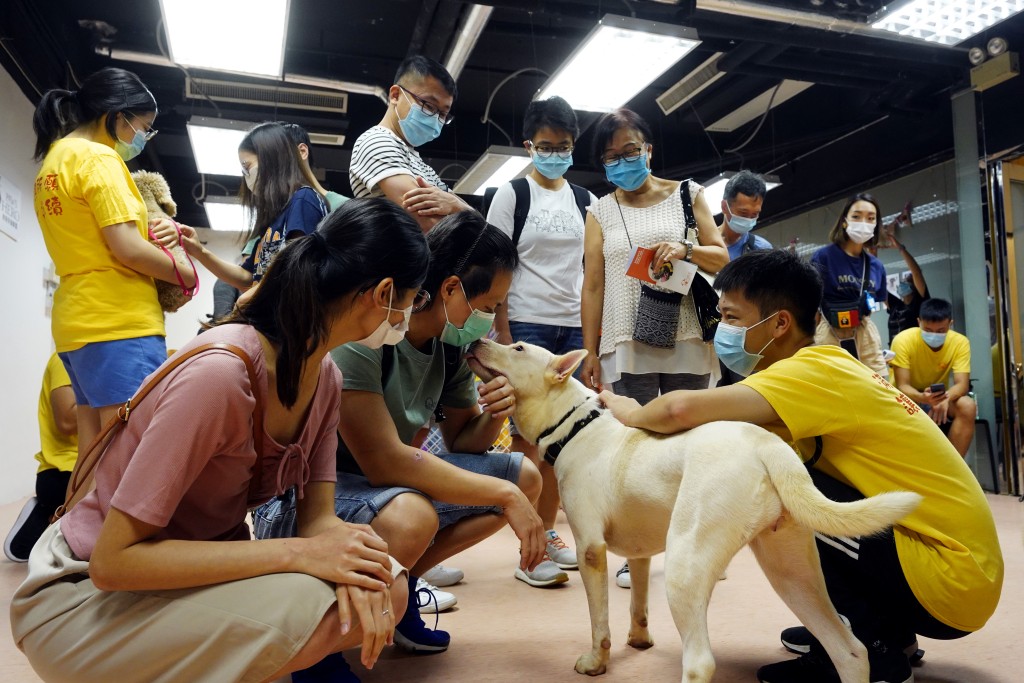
{"type": "Point", "coordinates": [543, 305]}
{"type": "Point", "coordinates": [642, 211]}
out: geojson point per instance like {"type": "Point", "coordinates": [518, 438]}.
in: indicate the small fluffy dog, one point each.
{"type": "Point", "coordinates": [157, 196]}
{"type": "Point", "coordinates": [699, 496]}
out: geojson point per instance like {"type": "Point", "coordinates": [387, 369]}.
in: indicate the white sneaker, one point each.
{"type": "Point", "coordinates": [547, 573]}
{"type": "Point", "coordinates": [431, 599]}
{"type": "Point", "coordinates": [560, 553]}
{"type": "Point", "coordinates": [440, 575]}
{"type": "Point", "coordinates": [622, 579]}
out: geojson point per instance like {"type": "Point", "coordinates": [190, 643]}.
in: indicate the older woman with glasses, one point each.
{"type": "Point", "coordinates": [650, 342]}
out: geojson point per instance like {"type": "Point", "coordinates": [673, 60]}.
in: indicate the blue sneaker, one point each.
{"type": "Point", "coordinates": [331, 669]}
{"type": "Point", "coordinates": [412, 634]}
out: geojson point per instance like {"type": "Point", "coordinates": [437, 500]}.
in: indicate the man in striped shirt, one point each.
{"type": "Point", "coordinates": [384, 158]}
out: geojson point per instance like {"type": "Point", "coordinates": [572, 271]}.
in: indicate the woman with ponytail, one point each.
{"type": "Point", "coordinates": [107, 322]}
{"type": "Point", "coordinates": [153, 576]}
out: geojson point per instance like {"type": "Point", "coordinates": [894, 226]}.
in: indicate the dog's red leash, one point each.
{"type": "Point", "coordinates": [189, 292]}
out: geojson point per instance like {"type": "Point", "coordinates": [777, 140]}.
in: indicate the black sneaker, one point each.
{"type": "Point", "coordinates": [810, 668]}
{"type": "Point", "coordinates": [798, 640]}
{"type": "Point", "coordinates": [27, 529]}
{"type": "Point", "coordinates": [412, 634]}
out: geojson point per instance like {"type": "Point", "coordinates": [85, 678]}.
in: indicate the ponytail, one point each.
{"type": "Point", "coordinates": [354, 248]}
{"type": "Point", "coordinates": [108, 91]}
{"type": "Point", "coordinates": [55, 117]}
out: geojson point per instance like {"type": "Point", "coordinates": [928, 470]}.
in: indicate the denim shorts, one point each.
{"type": "Point", "coordinates": [357, 502]}
{"type": "Point", "coordinates": [109, 373]}
{"type": "Point", "coordinates": [554, 338]}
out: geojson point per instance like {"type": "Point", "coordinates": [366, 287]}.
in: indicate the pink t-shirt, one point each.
{"type": "Point", "coordinates": [184, 460]}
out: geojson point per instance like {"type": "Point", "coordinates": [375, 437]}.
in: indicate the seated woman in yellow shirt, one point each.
{"type": "Point", "coordinates": [939, 572]}
{"type": "Point", "coordinates": [925, 357]}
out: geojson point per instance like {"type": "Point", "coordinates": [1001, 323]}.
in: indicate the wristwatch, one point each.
{"type": "Point", "coordinates": [689, 250]}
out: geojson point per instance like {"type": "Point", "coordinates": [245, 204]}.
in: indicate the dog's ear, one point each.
{"type": "Point", "coordinates": [167, 204]}
{"type": "Point", "coordinates": [562, 367]}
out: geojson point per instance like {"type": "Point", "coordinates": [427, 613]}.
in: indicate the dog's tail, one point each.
{"type": "Point", "coordinates": [809, 507]}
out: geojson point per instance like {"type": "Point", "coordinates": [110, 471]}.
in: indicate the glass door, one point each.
{"type": "Point", "coordinates": [1006, 214]}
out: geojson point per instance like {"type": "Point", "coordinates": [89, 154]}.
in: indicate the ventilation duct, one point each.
{"type": "Point", "coordinates": [691, 85]}
{"type": "Point", "coordinates": [263, 95]}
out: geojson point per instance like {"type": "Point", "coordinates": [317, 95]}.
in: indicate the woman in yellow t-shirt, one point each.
{"type": "Point", "coordinates": [107, 322]}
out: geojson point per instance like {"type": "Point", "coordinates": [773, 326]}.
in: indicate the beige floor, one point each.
{"type": "Point", "coordinates": [503, 630]}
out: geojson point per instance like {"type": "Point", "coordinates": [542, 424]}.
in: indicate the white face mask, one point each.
{"type": "Point", "coordinates": [860, 232]}
{"type": "Point", "coordinates": [387, 334]}
{"type": "Point", "coordinates": [250, 177]}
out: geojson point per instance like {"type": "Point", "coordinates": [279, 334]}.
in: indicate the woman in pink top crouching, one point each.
{"type": "Point", "coordinates": [152, 577]}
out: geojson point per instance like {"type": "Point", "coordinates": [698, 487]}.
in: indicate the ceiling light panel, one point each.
{"type": "Point", "coordinates": [226, 214]}
{"type": "Point", "coordinates": [497, 166]}
{"type": "Point", "coordinates": [239, 36]}
{"type": "Point", "coordinates": [756, 107]}
{"type": "Point", "coordinates": [948, 22]}
{"type": "Point", "coordinates": [215, 144]}
{"type": "Point", "coordinates": [620, 57]}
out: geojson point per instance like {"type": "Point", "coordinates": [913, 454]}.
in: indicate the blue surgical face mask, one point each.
{"type": "Point", "coordinates": [418, 126]}
{"type": "Point", "coordinates": [904, 289]}
{"type": "Point", "coordinates": [128, 151]}
{"type": "Point", "coordinates": [554, 167]}
{"type": "Point", "coordinates": [934, 339]}
{"type": "Point", "coordinates": [628, 175]}
{"type": "Point", "coordinates": [730, 345]}
{"type": "Point", "coordinates": [477, 325]}
{"type": "Point", "coordinates": [740, 224]}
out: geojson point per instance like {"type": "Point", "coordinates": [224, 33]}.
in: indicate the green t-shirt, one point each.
{"type": "Point", "coordinates": [413, 389]}
{"type": "Point", "coordinates": [334, 200]}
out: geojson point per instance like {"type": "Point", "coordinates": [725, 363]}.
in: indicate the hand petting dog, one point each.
{"type": "Point", "coordinates": [621, 407]}
{"type": "Point", "coordinates": [497, 398]}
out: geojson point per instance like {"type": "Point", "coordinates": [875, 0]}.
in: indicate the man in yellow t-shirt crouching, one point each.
{"type": "Point", "coordinates": [58, 439]}
{"type": "Point", "coordinates": [926, 355]}
{"type": "Point", "coordinates": [939, 571]}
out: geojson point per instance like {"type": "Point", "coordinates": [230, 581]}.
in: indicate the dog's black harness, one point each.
{"type": "Point", "coordinates": [552, 452]}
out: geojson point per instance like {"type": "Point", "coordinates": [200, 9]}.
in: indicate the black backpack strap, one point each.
{"type": "Point", "coordinates": [748, 244]}
{"type": "Point", "coordinates": [521, 188]}
{"type": "Point", "coordinates": [582, 196]}
{"type": "Point", "coordinates": [387, 359]}
{"type": "Point", "coordinates": [488, 198]}
{"type": "Point", "coordinates": [452, 358]}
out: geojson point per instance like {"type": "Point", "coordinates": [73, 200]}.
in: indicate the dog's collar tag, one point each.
{"type": "Point", "coordinates": [552, 452]}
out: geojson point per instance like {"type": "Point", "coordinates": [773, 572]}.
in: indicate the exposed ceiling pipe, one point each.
{"type": "Point", "coordinates": [751, 10]}
{"type": "Point", "coordinates": [296, 79]}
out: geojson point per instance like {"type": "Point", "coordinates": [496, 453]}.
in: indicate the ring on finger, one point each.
{"type": "Point", "coordinates": [385, 613]}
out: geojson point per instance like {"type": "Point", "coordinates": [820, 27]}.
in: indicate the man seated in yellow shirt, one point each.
{"type": "Point", "coordinates": [925, 357]}
{"type": "Point", "coordinates": [58, 437]}
{"type": "Point", "coordinates": [937, 573]}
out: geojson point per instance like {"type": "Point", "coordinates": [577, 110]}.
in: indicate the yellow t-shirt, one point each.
{"type": "Point", "coordinates": [82, 187]}
{"type": "Point", "coordinates": [59, 451]}
{"type": "Point", "coordinates": [927, 365]}
{"type": "Point", "coordinates": [876, 439]}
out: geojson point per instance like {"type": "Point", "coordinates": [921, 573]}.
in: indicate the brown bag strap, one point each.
{"type": "Point", "coordinates": [85, 466]}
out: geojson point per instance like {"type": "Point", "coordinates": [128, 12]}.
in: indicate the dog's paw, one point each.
{"type": "Point", "coordinates": [591, 664]}
{"type": "Point", "coordinates": [640, 639]}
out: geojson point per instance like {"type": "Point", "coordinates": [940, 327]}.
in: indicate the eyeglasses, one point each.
{"type": "Point", "coordinates": [628, 156]}
{"type": "Point", "coordinates": [246, 170]}
{"type": "Point", "coordinates": [545, 152]}
{"type": "Point", "coordinates": [420, 301]}
{"type": "Point", "coordinates": [430, 109]}
{"type": "Point", "coordinates": [147, 134]}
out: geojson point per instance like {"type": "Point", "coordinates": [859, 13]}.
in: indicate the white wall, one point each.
{"type": "Point", "coordinates": [25, 339]}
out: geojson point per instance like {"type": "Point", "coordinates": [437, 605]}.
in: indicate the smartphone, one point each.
{"type": "Point", "coordinates": [937, 388]}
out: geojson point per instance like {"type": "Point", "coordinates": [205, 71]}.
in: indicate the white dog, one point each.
{"type": "Point", "coordinates": [698, 496]}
